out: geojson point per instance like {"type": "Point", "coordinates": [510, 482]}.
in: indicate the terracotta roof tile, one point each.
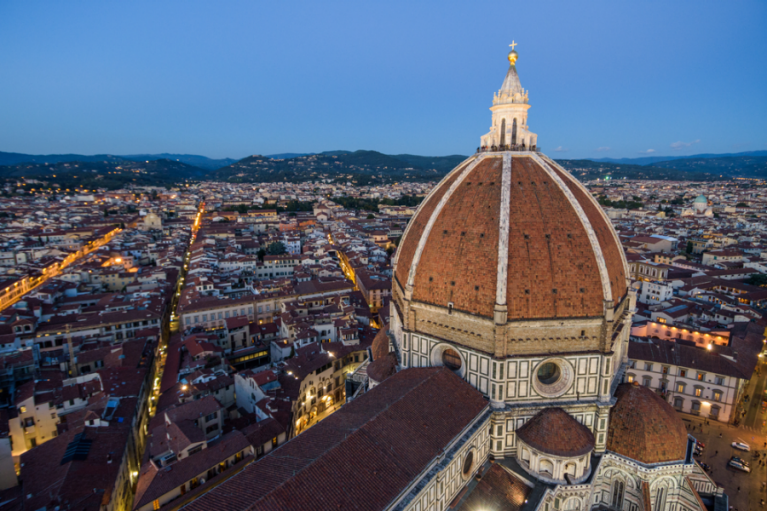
{"type": "Point", "coordinates": [362, 456]}
{"type": "Point", "coordinates": [644, 427]}
{"type": "Point", "coordinates": [554, 431]}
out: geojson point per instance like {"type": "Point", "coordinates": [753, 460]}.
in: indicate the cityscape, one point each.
{"type": "Point", "coordinates": [509, 329]}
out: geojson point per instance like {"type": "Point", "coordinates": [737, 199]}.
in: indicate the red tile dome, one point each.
{"type": "Point", "coordinates": [644, 427]}
{"type": "Point", "coordinates": [511, 231]}
{"type": "Point", "coordinates": [554, 431]}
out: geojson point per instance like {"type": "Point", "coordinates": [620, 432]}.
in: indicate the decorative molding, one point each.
{"type": "Point", "coordinates": [503, 235]}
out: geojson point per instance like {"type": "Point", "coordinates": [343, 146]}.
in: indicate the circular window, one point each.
{"type": "Point", "coordinates": [549, 373]}
{"type": "Point", "coordinates": [451, 359]}
{"type": "Point", "coordinates": [468, 463]}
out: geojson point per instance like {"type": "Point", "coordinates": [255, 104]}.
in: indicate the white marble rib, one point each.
{"type": "Point", "coordinates": [604, 275]}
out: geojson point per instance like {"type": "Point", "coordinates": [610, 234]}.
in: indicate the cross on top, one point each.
{"type": "Point", "coordinates": [513, 44]}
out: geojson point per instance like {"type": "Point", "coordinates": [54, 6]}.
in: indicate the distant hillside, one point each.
{"type": "Point", "coordinates": [16, 158]}
{"type": "Point", "coordinates": [587, 170]}
{"type": "Point", "coordinates": [650, 160]}
{"type": "Point", "coordinates": [361, 167]}
{"type": "Point", "coordinates": [442, 164]}
{"type": "Point", "coordinates": [104, 174]}
{"type": "Point", "coordinates": [282, 156]}
{"type": "Point", "coordinates": [735, 166]}
{"type": "Point", "coordinates": [189, 159]}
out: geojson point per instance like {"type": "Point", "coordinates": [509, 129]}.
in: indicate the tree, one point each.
{"type": "Point", "coordinates": [760, 279]}
{"type": "Point", "coordinates": [689, 247]}
{"type": "Point", "coordinates": [741, 205]}
{"type": "Point", "coordinates": [261, 253]}
{"type": "Point", "coordinates": [371, 216]}
{"type": "Point", "coordinates": [276, 248]}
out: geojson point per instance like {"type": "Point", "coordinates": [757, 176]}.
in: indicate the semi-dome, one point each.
{"type": "Point", "coordinates": [644, 427]}
{"type": "Point", "coordinates": [554, 431]}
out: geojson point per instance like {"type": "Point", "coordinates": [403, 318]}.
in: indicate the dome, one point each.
{"type": "Point", "coordinates": [554, 431]}
{"type": "Point", "coordinates": [700, 199]}
{"type": "Point", "coordinates": [644, 427]}
{"type": "Point", "coordinates": [515, 231]}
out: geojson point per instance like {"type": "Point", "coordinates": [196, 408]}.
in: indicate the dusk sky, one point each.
{"type": "Point", "coordinates": [230, 79]}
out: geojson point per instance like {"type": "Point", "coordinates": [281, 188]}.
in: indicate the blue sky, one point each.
{"type": "Point", "coordinates": [229, 79]}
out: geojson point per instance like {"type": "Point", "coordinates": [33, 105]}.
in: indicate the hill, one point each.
{"type": "Point", "coordinates": [360, 167]}
{"type": "Point", "coordinates": [194, 160]}
{"type": "Point", "coordinates": [588, 170]}
{"type": "Point", "coordinates": [734, 166]}
{"type": "Point", "coordinates": [189, 159]}
{"type": "Point", "coordinates": [650, 160]}
{"type": "Point", "coordinates": [103, 174]}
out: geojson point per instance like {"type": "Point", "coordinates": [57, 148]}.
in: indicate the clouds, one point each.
{"type": "Point", "coordinates": [681, 145]}
{"type": "Point", "coordinates": [602, 149]}
{"type": "Point", "coordinates": [649, 151]}
{"type": "Point", "coordinates": [560, 149]}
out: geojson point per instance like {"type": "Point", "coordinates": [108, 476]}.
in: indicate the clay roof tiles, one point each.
{"type": "Point", "coordinates": [362, 456]}
{"type": "Point", "coordinates": [553, 268]}
{"type": "Point", "coordinates": [644, 427]}
{"type": "Point", "coordinates": [554, 431]}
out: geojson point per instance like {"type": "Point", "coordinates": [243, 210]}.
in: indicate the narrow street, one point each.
{"type": "Point", "coordinates": [11, 295]}
{"type": "Point", "coordinates": [173, 318]}
{"type": "Point", "coordinates": [755, 416]}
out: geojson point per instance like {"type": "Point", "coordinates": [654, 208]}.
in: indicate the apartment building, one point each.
{"type": "Point", "coordinates": [693, 380]}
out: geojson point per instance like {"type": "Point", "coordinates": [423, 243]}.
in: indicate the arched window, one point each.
{"type": "Point", "coordinates": [514, 132]}
{"type": "Point", "coordinates": [572, 504]}
{"type": "Point", "coordinates": [618, 488]}
{"type": "Point", "coordinates": [503, 132]}
{"type": "Point", "coordinates": [570, 469]}
{"type": "Point", "coordinates": [546, 467]}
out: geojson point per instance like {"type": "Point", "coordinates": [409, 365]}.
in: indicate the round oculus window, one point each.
{"type": "Point", "coordinates": [549, 373]}
{"type": "Point", "coordinates": [451, 359]}
{"type": "Point", "coordinates": [468, 463]}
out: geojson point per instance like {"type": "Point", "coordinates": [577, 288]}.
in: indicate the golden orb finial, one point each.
{"type": "Point", "coordinates": [513, 54]}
